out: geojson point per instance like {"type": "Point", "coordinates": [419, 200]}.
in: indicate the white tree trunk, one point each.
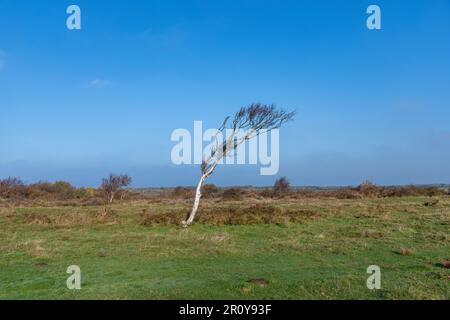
{"type": "Point", "coordinates": [198, 195]}
{"type": "Point", "coordinates": [111, 198]}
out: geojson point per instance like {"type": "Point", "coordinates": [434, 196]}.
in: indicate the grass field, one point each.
{"type": "Point", "coordinates": [323, 255]}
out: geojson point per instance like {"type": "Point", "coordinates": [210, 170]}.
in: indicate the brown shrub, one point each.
{"type": "Point", "coordinates": [231, 215]}
{"type": "Point", "coordinates": [15, 190]}
{"type": "Point", "coordinates": [38, 219]}
{"type": "Point", "coordinates": [266, 193]}
{"type": "Point", "coordinates": [12, 187]}
{"type": "Point", "coordinates": [53, 191]}
{"type": "Point", "coordinates": [368, 189]}
{"type": "Point", "coordinates": [305, 193]}
{"type": "Point", "coordinates": [183, 193]}
{"type": "Point", "coordinates": [232, 194]}
{"type": "Point", "coordinates": [151, 219]}
{"type": "Point", "coordinates": [346, 193]}
{"type": "Point", "coordinates": [433, 191]}
{"type": "Point", "coordinates": [281, 185]}
{"type": "Point", "coordinates": [210, 191]}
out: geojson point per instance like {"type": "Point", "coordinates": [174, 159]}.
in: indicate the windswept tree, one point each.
{"type": "Point", "coordinates": [248, 123]}
{"type": "Point", "coordinates": [113, 184]}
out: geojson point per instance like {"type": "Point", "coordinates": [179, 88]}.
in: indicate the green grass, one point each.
{"type": "Point", "coordinates": [325, 257]}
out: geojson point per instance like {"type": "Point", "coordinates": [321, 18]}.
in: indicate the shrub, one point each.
{"type": "Point", "coordinates": [368, 189]}
{"type": "Point", "coordinates": [183, 192]}
{"type": "Point", "coordinates": [265, 193]}
{"type": "Point", "coordinates": [410, 191]}
{"type": "Point", "coordinates": [11, 182]}
{"type": "Point", "coordinates": [231, 215]}
{"type": "Point", "coordinates": [14, 188]}
{"type": "Point", "coordinates": [433, 191]}
{"type": "Point", "coordinates": [232, 194]}
{"type": "Point", "coordinates": [210, 190]}
{"type": "Point", "coordinates": [346, 193]}
{"type": "Point", "coordinates": [52, 191]}
{"type": "Point", "coordinates": [11, 187]}
{"type": "Point", "coordinates": [63, 190]}
{"type": "Point", "coordinates": [281, 185]}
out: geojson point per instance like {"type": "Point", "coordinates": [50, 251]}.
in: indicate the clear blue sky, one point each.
{"type": "Point", "coordinates": [76, 105]}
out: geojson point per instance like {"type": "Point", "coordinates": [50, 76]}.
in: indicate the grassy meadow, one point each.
{"type": "Point", "coordinates": [288, 248]}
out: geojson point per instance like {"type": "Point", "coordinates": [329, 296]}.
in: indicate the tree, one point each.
{"type": "Point", "coordinates": [281, 185]}
{"type": "Point", "coordinates": [251, 121]}
{"type": "Point", "coordinates": [11, 182]}
{"type": "Point", "coordinates": [11, 185]}
{"type": "Point", "coordinates": [113, 184]}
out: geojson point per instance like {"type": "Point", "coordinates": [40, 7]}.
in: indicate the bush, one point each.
{"type": "Point", "coordinates": [346, 193]}
{"type": "Point", "coordinates": [64, 190]}
{"type": "Point", "coordinates": [281, 185]}
{"type": "Point", "coordinates": [433, 191]}
{"type": "Point", "coordinates": [12, 187]}
{"type": "Point", "coordinates": [210, 190]}
{"type": "Point", "coordinates": [412, 191]}
{"type": "Point", "coordinates": [232, 194]}
{"type": "Point", "coordinates": [231, 215]}
{"type": "Point", "coordinates": [183, 193]}
{"type": "Point", "coordinates": [368, 189]}
{"type": "Point", "coordinates": [10, 182]}
{"type": "Point", "coordinates": [265, 193]}
{"type": "Point", "coordinates": [52, 191]}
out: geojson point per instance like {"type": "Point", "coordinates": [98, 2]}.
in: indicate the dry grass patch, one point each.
{"type": "Point", "coordinates": [216, 238]}
{"type": "Point", "coordinates": [71, 219]}
{"type": "Point", "coordinates": [33, 247]}
{"type": "Point", "coordinates": [232, 215]}
{"type": "Point", "coordinates": [263, 283]}
{"type": "Point", "coordinates": [405, 252]}
{"type": "Point", "coordinates": [372, 234]}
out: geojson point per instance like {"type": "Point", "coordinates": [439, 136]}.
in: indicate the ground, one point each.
{"type": "Point", "coordinates": [324, 256]}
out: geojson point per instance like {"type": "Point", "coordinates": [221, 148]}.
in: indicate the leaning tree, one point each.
{"type": "Point", "coordinates": [249, 122]}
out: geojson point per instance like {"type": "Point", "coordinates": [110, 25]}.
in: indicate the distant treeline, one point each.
{"type": "Point", "coordinates": [15, 190]}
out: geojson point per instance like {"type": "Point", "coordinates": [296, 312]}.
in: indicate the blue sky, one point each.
{"type": "Point", "coordinates": [76, 105]}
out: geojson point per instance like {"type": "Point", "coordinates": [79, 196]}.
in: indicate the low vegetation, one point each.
{"type": "Point", "coordinates": [236, 214]}
{"type": "Point", "coordinates": [248, 243]}
{"type": "Point", "coordinates": [15, 192]}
